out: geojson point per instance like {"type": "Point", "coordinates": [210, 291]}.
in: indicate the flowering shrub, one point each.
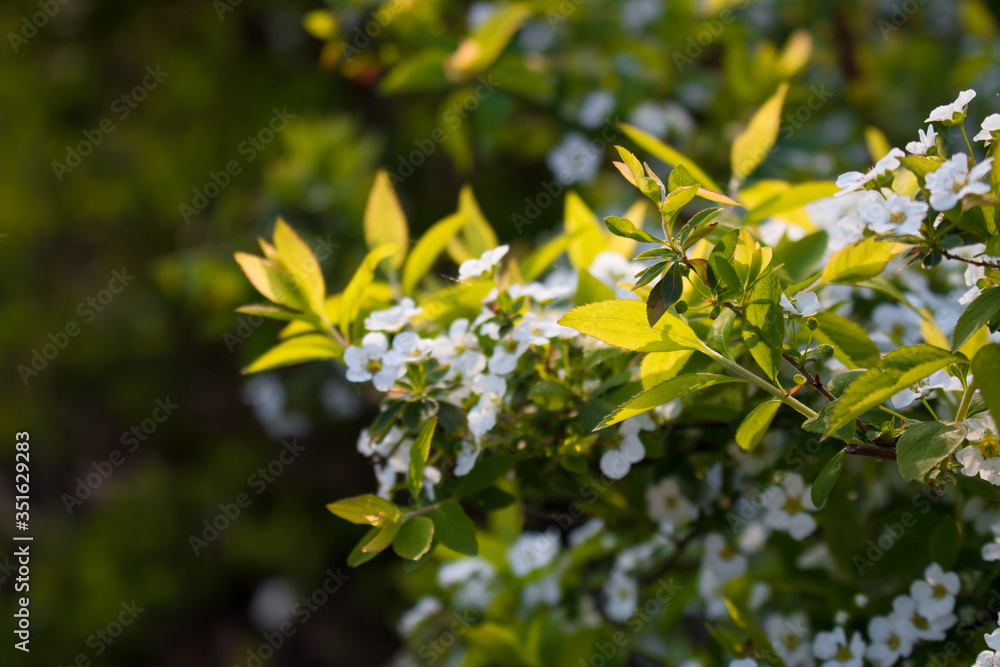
{"type": "Point", "coordinates": [762, 430]}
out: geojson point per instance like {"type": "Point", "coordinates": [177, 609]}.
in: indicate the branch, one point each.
{"type": "Point", "coordinates": [874, 451]}
{"type": "Point", "coordinates": [974, 262]}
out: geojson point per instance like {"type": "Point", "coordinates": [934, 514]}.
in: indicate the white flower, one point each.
{"type": "Point", "coordinates": [953, 180]}
{"type": "Point", "coordinates": [393, 319]}
{"type": "Point", "coordinates": [937, 380]}
{"type": "Point", "coordinates": [483, 416]}
{"type": "Point", "coordinates": [743, 662]}
{"type": "Point", "coordinates": [615, 464]}
{"type": "Point", "coordinates": [988, 659]}
{"type": "Point", "coordinates": [367, 362]}
{"type": "Point", "coordinates": [621, 596]}
{"type": "Point", "coordinates": [991, 550]}
{"type": "Point", "coordinates": [532, 551]}
{"type": "Point", "coordinates": [806, 304]}
{"type": "Point", "coordinates": [459, 339]}
{"type": "Point", "coordinates": [935, 594]}
{"type": "Point", "coordinates": [473, 576]}
{"type": "Point", "coordinates": [536, 331]}
{"type": "Point", "coordinates": [474, 268]}
{"type": "Point", "coordinates": [594, 108]}
{"type": "Point", "coordinates": [991, 124]}
{"type": "Point", "coordinates": [611, 268]}
{"type": "Point", "coordinates": [722, 559]}
{"type": "Point", "coordinates": [580, 535]}
{"type": "Point", "coordinates": [895, 215]}
{"type": "Point", "coordinates": [993, 640]}
{"type": "Point", "coordinates": [787, 508]}
{"type": "Point", "coordinates": [467, 456]}
{"type": "Point", "coordinates": [982, 457]}
{"type": "Point", "coordinates": [927, 142]}
{"type": "Point", "coordinates": [949, 114]}
{"type": "Point", "coordinates": [973, 274]}
{"type": "Point", "coordinates": [545, 591]}
{"type": "Point", "coordinates": [932, 629]}
{"type": "Point", "coordinates": [790, 634]}
{"type": "Point", "coordinates": [835, 651]}
{"type": "Point", "coordinates": [426, 607]}
{"type": "Point", "coordinates": [890, 640]}
{"type": "Point", "coordinates": [664, 500]}
{"type": "Point", "coordinates": [407, 348]}
{"type": "Point", "coordinates": [506, 355]}
{"type": "Point", "coordinates": [855, 180]}
{"type": "Point", "coordinates": [574, 159]}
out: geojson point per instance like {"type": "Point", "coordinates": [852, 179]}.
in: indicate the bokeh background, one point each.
{"type": "Point", "coordinates": [563, 73]}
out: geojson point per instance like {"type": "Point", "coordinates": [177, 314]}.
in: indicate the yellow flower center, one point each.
{"type": "Point", "coordinates": [894, 642]}
{"type": "Point", "coordinates": [990, 447]}
{"type": "Point", "coordinates": [844, 654]}
{"type": "Point", "coordinates": [793, 505]}
{"type": "Point", "coordinates": [940, 591]}
{"type": "Point", "coordinates": [919, 622]}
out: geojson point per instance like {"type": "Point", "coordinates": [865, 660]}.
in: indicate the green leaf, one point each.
{"type": "Point", "coordinates": [482, 48]}
{"type": "Point", "coordinates": [350, 301]}
{"type": "Point", "coordinates": [721, 332]}
{"type": "Point", "coordinates": [385, 222]}
{"type": "Point", "coordinates": [623, 323]}
{"type": "Point", "coordinates": [298, 261]}
{"type": "Point", "coordinates": [419, 451]}
{"type": "Point", "coordinates": [428, 248]}
{"type": "Point", "coordinates": [665, 392]}
{"type": "Point", "coordinates": [357, 556]}
{"type": "Point", "coordinates": [827, 478]}
{"type": "Point", "coordinates": [754, 144]}
{"type": "Point", "coordinates": [819, 423]}
{"type": "Point", "coordinates": [486, 472]}
{"type": "Point", "coordinates": [297, 350]}
{"type": "Point", "coordinates": [898, 370]}
{"type": "Point", "coordinates": [755, 425]}
{"type": "Point", "coordinates": [624, 228]}
{"type": "Point", "coordinates": [860, 261]}
{"type": "Point", "coordinates": [273, 312]}
{"type": "Point", "coordinates": [856, 348]}
{"type": "Point", "coordinates": [454, 529]}
{"type": "Point", "coordinates": [383, 538]}
{"type": "Point", "coordinates": [801, 257]}
{"type": "Point", "coordinates": [923, 446]}
{"type": "Point", "coordinates": [371, 510]}
{"type": "Point", "coordinates": [975, 316]}
{"type": "Point", "coordinates": [669, 155]}
{"type": "Point", "coordinates": [978, 486]}
{"type": "Point", "coordinates": [678, 199]}
{"type": "Point", "coordinates": [267, 278]}
{"type": "Point", "coordinates": [414, 538]}
{"type": "Point", "coordinates": [764, 324]}
{"type": "Point", "coordinates": [986, 370]}
{"type": "Point", "coordinates": [789, 200]}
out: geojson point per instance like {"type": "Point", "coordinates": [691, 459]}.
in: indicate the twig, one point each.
{"type": "Point", "coordinates": [975, 262]}
{"type": "Point", "coordinates": [874, 451]}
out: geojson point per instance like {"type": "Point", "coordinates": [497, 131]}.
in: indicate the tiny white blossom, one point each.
{"type": "Point", "coordinates": [982, 456]}
{"type": "Point", "coordinates": [467, 456]}
{"type": "Point", "coordinates": [988, 659]}
{"type": "Point", "coordinates": [991, 124]}
{"type": "Point", "coordinates": [621, 596]}
{"type": "Point", "coordinates": [743, 662]}
{"type": "Point", "coordinates": [407, 348]}
{"type": "Point", "coordinates": [806, 304]}
{"type": "Point", "coordinates": [368, 362]}
{"type": "Point", "coordinates": [545, 592]}
{"type": "Point", "coordinates": [835, 651]}
{"type": "Point", "coordinates": [951, 113]}
{"type": "Point", "coordinates": [856, 180]}
{"type": "Point", "coordinates": [935, 593]}
{"type": "Point", "coordinates": [664, 500]}
{"type": "Point", "coordinates": [532, 551]}
{"type": "Point", "coordinates": [615, 464]}
{"type": "Point", "coordinates": [890, 640]}
{"type": "Point", "coordinates": [426, 607]}
{"type": "Point", "coordinates": [788, 508]}
{"type": "Point", "coordinates": [991, 550]}
{"type": "Point", "coordinates": [905, 609]}
{"type": "Point", "coordinates": [973, 274]}
{"type": "Point", "coordinates": [722, 559]}
{"type": "Point", "coordinates": [927, 141]}
{"type": "Point", "coordinates": [474, 268]}
{"type": "Point", "coordinates": [506, 355]}
{"type": "Point", "coordinates": [393, 319]}
{"type": "Point", "coordinates": [953, 180]}
{"type": "Point", "coordinates": [895, 215]}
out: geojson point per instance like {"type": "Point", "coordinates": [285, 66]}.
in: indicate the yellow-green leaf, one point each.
{"type": "Point", "coordinates": [269, 281]}
{"type": "Point", "coordinates": [898, 370]}
{"type": "Point", "coordinates": [481, 49]}
{"type": "Point", "coordinates": [419, 451]}
{"type": "Point", "coordinates": [414, 538]}
{"type": "Point", "coordinates": [752, 146]}
{"type": "Point", "coordinates": [755, 425]}
{"type": "Point", "coordinates": [295, 257]}
{"type": "Point", "coordinates": [585, 230]}
{"type": "Point", "coordinates": [623, 323]}
{"type": "Point", "coordinates": [789, 200]}
{"type": "Point", "coordinates": [860, 261]}
{"type": "Point", "coordinates": [664, 392]}
{"type": "Point", "coordinates": [478, 234]}
{"type": "Point", "coordinates": [657, 367]}
{"type": "Point", "coordinates": [369, 509]}
{"type": "Point", "coordinates": [385, 221]}
{"type": "Point", "coordinates": [350, 300]}
{"type": "Point", "coordinates": [311, 347]}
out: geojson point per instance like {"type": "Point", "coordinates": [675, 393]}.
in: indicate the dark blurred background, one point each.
{"type": "Point", "coordinates": [118, 219]}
